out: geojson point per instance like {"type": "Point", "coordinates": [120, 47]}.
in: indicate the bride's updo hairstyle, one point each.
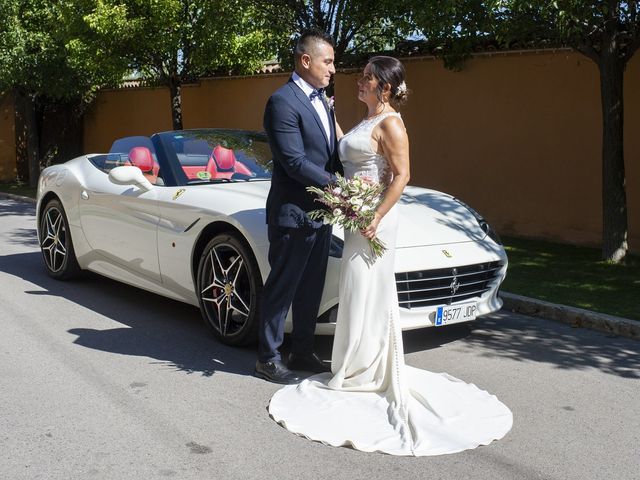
{"type": "Point", "coordinates": [390, 70]}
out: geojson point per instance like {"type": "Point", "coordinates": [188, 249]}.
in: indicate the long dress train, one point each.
{"type": "Point", "coordinates": [371, 400]}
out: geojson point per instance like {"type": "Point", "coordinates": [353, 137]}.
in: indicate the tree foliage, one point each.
{"type": "Point", "coordinates": [46, 49]}
{"type": "Point", "coordinates": [589, 27]}
{"type": "Point", "coordinates": [453, 29]}
{"type": "Point", "coordinates": [356, 26]}
{"type": "Point", "coordinates": [171, 42]}
{"type": "Point", "coordinates": [48, 56]}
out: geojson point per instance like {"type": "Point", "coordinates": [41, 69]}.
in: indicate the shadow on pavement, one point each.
{"type": "Point", "coordinates": [174, 335]}
{"type": "Point", "coordinates": [168, 331]}
{"type": "Point", "coordinates": [19, 236]}
{"type": "Point", "coordinates": [523, 338]}
{"type": "Point", "coordinates": [24, 236]}
{"type": "Point", "coordinates": [10, 207]}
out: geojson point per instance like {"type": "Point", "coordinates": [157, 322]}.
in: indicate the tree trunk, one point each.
{"type": "Point", "coordinates": [614, 198]}
{"type": "Point", "coordinates": [61, 132]}
{"type": "Point", "coordinates": [175, 89]}
{"type": "Point", "coordinates": [27, 138]}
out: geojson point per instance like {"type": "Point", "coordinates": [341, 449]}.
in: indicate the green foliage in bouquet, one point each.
{"type": "Point", "coordinates": [351, 204]}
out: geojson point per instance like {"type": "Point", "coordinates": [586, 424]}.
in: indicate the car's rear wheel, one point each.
{"type": "Point", "coordinates": [229, 285]}
{"type": "Point", "coordinates": [56, 244]}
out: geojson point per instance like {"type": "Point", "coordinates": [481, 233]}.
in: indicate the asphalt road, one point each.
{"type": "Point", "coordinates": [99, 380]}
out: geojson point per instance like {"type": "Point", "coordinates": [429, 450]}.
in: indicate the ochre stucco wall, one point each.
{"type": "Point", "coordinates": [7, 138]}
{"type": "Point", "coordinates": [236, 102]}
{"type": "Point", "coordinates": [516, 135]}
{"type": "Point", "coordinates": [123, 113]}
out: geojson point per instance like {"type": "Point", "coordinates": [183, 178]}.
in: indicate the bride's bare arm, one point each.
{"type": "Point", "coordinates": [393, 142]}
{"type": "Point", "coordinates": [339, 133]}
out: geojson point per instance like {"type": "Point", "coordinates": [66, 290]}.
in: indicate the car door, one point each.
{"type": "Point", "coordinates": [120, 222]}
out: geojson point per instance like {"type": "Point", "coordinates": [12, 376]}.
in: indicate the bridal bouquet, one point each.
{"type": "Point", "coordinates": [352, 205]}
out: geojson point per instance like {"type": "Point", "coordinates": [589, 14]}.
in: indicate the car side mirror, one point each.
{"type": "Point", "coordinates": [129, 175]}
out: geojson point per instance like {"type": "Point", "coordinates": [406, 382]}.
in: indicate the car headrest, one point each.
{"type": "Point", "coordinates": [141, 157]}
{"type": "Point", "coordinates": [224, 158]}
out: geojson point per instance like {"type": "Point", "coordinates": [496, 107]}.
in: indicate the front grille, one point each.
{"type": "Point", "coordinates": [445, 285]}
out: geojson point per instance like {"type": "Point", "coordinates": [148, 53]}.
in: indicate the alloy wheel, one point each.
{"type": "Point", "coordinates": [56, 244]}
{"type": "Point", "coordinates": [54, 241]}
{"type": "Point", "coordinates": [227, 287]}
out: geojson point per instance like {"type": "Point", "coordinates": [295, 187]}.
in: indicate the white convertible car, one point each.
{"type": "Point", "coordinates": [182, 214]}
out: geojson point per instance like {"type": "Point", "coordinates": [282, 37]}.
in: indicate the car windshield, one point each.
{"type": "Point", "coordinates": [217, 156]}
{"type": "Point", "coordinates": [130, 151]}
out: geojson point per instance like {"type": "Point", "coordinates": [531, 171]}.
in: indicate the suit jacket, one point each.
{"type": "Point", "coordinates": [302, 156]}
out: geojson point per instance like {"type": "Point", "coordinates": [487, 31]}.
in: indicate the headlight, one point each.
{"type": "Point", "coordinates": [335, 250]}
{"type": "Point", "coordinates": [484, 225]}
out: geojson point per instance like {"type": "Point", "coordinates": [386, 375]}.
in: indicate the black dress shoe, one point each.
{"type": "Point", "coordinates": [308, 363]}
{"type": "Point", "coordinates": [276, 372]}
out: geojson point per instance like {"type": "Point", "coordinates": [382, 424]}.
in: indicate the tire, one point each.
{"type": "Point", "coordinates": [56, 244]}
{"type": "Point", "coordinates": [229, 286]}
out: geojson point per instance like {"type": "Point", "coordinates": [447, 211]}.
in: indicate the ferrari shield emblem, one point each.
{"type": "Point", "coordinates": [178, 193]}
{"type": "Point", "coordinates": [446, 254]}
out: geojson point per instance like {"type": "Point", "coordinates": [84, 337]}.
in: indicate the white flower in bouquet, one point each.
{"type": "Point", "coordinates": [351, 204]}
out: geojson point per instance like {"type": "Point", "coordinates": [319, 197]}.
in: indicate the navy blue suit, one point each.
{"type": "Point", "coordinates": [298, 246]}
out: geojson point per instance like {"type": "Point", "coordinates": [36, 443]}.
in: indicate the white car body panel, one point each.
{"type": "Point", "coordinates": [146, 239]}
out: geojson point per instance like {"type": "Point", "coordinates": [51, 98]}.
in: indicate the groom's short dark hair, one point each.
{"type": "Point", "coordinates": [309, 38]}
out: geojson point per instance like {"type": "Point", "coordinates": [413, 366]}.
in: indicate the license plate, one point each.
{"type": "Point", "coordinates": [456, 313]}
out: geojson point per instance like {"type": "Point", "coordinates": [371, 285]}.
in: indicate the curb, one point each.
{"type": "Point", "coordinates": [13, 196]}
{"type": "Point", "coordinates": [576, 317]}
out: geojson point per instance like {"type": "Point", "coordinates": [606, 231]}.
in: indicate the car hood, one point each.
{"type": "Point", "coordinates": [426, 217]}
{"type": "Point", "coordinates": [429, 217]}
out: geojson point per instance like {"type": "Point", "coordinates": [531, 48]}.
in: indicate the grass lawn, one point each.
{"type": "Point", "coordinates": [573, 276]}
{"type": "Point", "coordinates": [18, 189]}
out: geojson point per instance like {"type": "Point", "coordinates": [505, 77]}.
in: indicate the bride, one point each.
{"type": "Point", "coordinates": [371, 400]}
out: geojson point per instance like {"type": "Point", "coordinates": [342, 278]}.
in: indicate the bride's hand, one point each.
{"type": "Point", "coordinates": [370, 231]}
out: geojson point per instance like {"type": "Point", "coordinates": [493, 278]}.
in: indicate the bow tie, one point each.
{"type": "Point", "coordinates": [316, 93]}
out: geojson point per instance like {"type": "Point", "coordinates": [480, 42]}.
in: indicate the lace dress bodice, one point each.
{"type": "Point", "coordinates": [357, 156]}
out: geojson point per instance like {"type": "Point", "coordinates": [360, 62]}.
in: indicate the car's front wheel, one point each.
{"type": "Point", "coordinates": [55, 243]}
{"type": "Point", "coordinates": [229, 285]}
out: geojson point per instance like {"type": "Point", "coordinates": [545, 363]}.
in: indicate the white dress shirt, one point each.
{"type": "Point", "coordinates": [317, 102]}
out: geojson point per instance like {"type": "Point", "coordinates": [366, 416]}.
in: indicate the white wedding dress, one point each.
{"type": "Point", "coordinates": [372, 401]}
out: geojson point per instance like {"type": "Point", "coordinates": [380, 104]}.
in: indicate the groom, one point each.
{"type": "Point", "coordinates": [302, 137]}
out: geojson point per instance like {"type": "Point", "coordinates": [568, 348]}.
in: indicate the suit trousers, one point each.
{"type": "Point", "coordinates": [298, 259]}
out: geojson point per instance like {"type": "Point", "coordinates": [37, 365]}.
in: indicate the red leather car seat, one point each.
{"type": "Point", "coordinates": [221, 163]}
{"type": "Point", "coordinates": [141, 157]}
